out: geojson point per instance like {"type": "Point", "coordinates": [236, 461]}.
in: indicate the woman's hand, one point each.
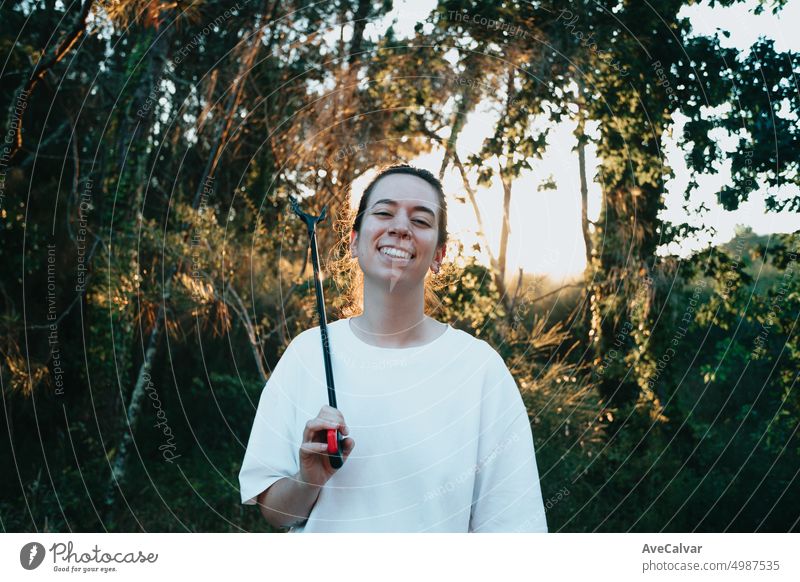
{"type": "Point", "coordinates": [315, 465]}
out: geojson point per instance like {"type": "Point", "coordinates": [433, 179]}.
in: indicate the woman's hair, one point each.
{"type": "Point", "coordinates": [412, 171]}
{"type": "Point", "coordinates": [349, 275]}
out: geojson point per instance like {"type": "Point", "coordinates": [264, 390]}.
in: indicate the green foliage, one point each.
{"type": "Point", "coordinates": [471, 300]}
{"type": "Point", "coordinates": [159, 155]}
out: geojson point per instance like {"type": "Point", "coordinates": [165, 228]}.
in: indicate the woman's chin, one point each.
{"type": "Point", "coordinates": [393, 275]}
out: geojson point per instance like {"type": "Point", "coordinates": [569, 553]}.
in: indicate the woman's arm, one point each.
{"type": "Point", "coordinates": [507, 494]}
{"type": "Point", "coordinates": [288, 501]}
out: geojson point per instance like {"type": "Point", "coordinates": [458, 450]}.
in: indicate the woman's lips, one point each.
{"type": "Point", "coordinates": [395, 258]}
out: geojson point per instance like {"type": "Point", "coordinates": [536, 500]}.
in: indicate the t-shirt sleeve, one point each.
{"type": "Point", "coordinates": [273, 448]}
{"type": "Point", "coordinates": [507, 496]}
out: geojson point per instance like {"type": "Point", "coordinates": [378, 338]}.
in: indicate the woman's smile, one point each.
{"type": "Point", "coordinates": [395, 255]}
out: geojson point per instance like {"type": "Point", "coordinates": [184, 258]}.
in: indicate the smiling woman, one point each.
{"type": "Point", "coordinates": [444, 440]}
{"type": "Point", "coordinates": [428, 213]}
{"type": "Point", "coordinates": [399, 232]}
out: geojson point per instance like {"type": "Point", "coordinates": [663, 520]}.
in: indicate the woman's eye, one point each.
{"type": "Point", "coordinates": [417, 220]}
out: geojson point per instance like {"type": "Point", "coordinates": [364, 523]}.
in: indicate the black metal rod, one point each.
{"type": "Point", "coordinates": [323, 319]}
{"type": "Point", "coordinates": [334, 436]}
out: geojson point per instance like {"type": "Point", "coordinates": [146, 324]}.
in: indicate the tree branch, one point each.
{"type": "Point", "coordinates": [45, 65]}
{"type": "Point", "coordinates": [548, 294]}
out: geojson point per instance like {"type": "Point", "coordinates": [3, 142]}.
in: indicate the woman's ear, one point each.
{"type": "Point", "coordinates": [438, 257]}
{"type": "Point", "coordinates": [353, 243]}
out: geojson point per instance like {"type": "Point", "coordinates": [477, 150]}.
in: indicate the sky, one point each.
{"type": "Point", "coordinates": [545, 225]}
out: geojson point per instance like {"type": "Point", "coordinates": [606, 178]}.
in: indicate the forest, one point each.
{"type": "Point", "coordinates": [153, 274]}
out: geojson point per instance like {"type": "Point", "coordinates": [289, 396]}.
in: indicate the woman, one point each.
{"type": "Point", "coordinates": [438, 438]}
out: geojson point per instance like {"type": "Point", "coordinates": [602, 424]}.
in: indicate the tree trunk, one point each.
{"type": "Point", "coordinates": [478, 217]}
{"type": "Point", "coordinates": [506, 174]}
{"type": "Point", "coordinates": [463, 107]}
{"type": "Point", "coordinates": [587, 239]}
{"type": "Point", "coordinates": [120, 466]}
{"type": "Point", "coordinates": [252, 336]}
{"type": "Point", "coordinates": [505, 230]}
{"type": "Point", "coordinates": [359, 24]}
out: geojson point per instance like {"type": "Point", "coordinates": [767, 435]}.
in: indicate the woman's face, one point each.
{"type": "Point", "coordinates": [399, 231]}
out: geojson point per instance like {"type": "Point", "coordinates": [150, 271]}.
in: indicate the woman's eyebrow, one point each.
{"type": "Point", "coordinates": [394, 203]}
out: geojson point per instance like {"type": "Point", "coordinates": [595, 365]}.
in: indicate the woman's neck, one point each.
{"type": "Point", "coordinates": [394, 318]}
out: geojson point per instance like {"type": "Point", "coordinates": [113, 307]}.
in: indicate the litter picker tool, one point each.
{"type": "Point", "coordinates": [334, 436]}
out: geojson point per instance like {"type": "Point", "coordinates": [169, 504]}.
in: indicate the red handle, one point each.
{"type": "Point", "coordinates": [333, 445]}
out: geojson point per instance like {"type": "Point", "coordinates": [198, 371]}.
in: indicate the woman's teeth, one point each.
{"type": "Point", "coordinates": [395, 253]}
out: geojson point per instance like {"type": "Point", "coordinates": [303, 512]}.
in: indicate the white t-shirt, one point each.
{"type": "Point", "coordinates": [442, 438]}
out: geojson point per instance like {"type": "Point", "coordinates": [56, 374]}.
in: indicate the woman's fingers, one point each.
{"type": "Point", "coordinates": [347, 446]}
{"type": "Point", "coordinates": [328, 418]}
{"type": "Point", "coordinates": [333, 415]}
{"type": "Point", "coordinates": [321, 423]}
{"type": "Point", "coordinates": [315, 425]}
{"type": "Point", "coordinates": [314, 448]}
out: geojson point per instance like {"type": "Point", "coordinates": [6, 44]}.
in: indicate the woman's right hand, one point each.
{"type": "Point", "coordinates": [315, 465]}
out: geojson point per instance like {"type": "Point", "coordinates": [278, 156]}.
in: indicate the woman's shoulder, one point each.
{"type": "Point", "coordinates": [467, 341]}
{"type": "Point", "coordinates": [311, 338]}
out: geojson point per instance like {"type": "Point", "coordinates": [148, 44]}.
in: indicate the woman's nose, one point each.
{"type": "Point", "coordinates": [399, 227]}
